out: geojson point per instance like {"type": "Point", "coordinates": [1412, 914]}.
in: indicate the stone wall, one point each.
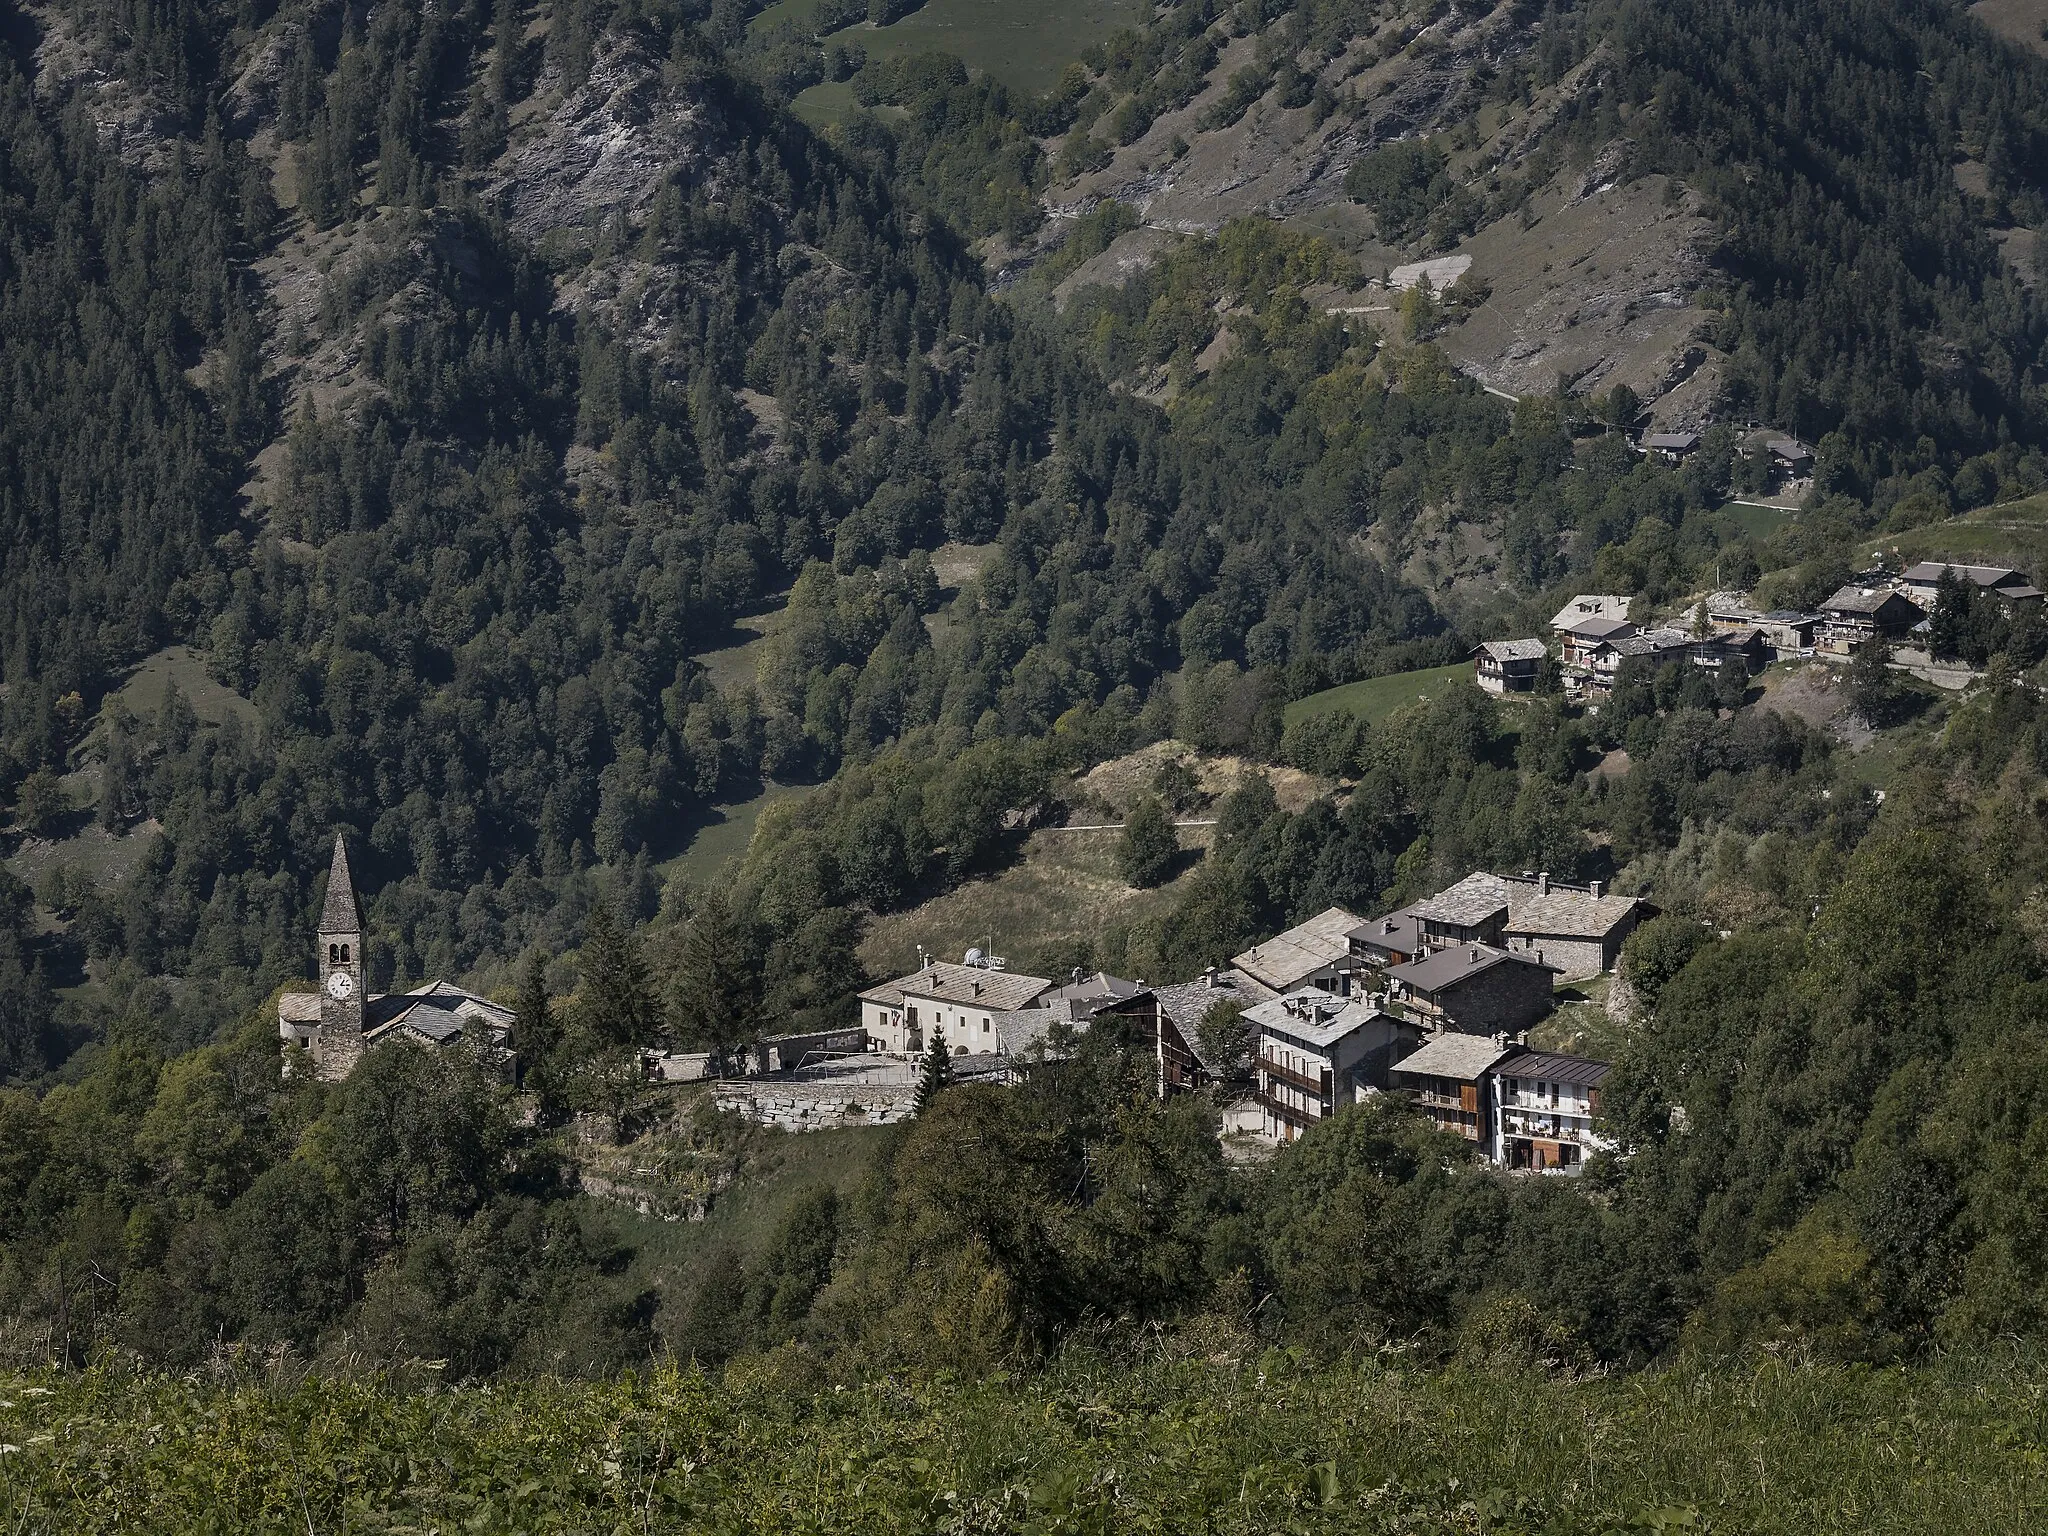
{"type": "Point", "coordinates": [800, 1106]}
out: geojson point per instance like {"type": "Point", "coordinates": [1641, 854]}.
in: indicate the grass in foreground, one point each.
{"type": "Point", "coordinates": [1258, 1447]}
{"type": "Point", "coordinates": [1374, 698]}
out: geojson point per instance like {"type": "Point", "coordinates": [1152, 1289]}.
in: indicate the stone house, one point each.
{"type": "Point", "coordinates": [1316, 953]}
{"type": "Point", "coordinates": [1508, 666]}
{"type": "Point", "coordinates": [1923, 582]}
{"type": "Point", "coordinates": [1475, 989]}
{"type": "Point", "coordinates": [1578, 929]}
{"type": "Point", "coordinates": [1318, 1053]}
{"type": "Point", "coordinates": [1447, 1079]}
{"type": "Point", "coordinates": [1856, 615]}
{"type": "Point", "coordinates": [962, 1001]}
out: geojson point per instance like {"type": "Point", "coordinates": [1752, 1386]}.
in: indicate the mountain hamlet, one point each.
{"type": "Point", "coordinates": [1082, 766]}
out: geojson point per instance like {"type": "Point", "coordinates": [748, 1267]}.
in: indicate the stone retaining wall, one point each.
{"type": "Point", "coordinates": [816, 1106]}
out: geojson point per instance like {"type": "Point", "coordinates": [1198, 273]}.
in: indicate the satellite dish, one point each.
{"type": "Point", "coordinates": [974, 957]}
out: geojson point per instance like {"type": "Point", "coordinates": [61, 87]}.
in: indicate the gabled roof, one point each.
{"type": "Point", "coordinates": [1187, 1002]}
{"type": "Point", "coordinates": [1462, 1058]}
{"type": "Point", "coordinates": [1656, 642]}
{"type": "Point", "coordinates": [1513, 650]}
{"type": "Point", "coordinates": [1398, 931]}
{"type": "Point", "coordinates": [1547, 1067]}
{"type": "Point", "coordinates": [342, 912]}
{"type": "Point", "coordinates": [1569, 914]}
{"type": "Point", "coordinates": [430, 997]}
{"type": "Point", "coordinates": [1928, 572]}
{"type": "Point", "coordinates": [1591, 605]}
{"type": "Point", "coordinates": [1473, 900]}
{"type": "Point", "coordinates": [299, 1008]}
{"type": "Point", "coordinates": [1022, 1031]}
{"type": "Point", "coordinates": [1789, 448]}
{"type": "Point", "coordinates": [975, 985]}
{"type": "Point", "coordinates": [1598, 628]}
{"type": "Point", "coordinates": [1080, 999]}
{"type": "Point", "coordinates": [1289, 958]}
{"type": "Point", "coordinates": [1865, 600]}
{"type": "Point", "coordinates": [1672, 442]}
{"type": "Point", "coordinates": [1313, 1018]}
{"type": "Point", "coordinates": [1453, 967]}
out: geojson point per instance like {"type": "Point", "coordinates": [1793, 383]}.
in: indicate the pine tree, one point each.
{"type": "Point", "coordinates": [538, 1039]}
{"type": "Point", "coordinates": [936, 1074]}
{"type": "Point", "coordinates": [716, 995]}
{"type": "Point", "coordinates": [614, 999]}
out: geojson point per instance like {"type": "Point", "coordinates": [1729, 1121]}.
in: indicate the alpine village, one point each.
{"type": "Point", "coordinates": [1024, 767]}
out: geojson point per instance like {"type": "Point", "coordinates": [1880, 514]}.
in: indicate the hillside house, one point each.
{"type": "Point", "coordinates": [1448, 1079]}
{"type": "Point", "coordinates": [1790, 457]}
{"type": "Point", "coordinates": [1182, 1062]}
{"type": "Point", "coordinates": [1856, 615]}
{"type": "Point", "coordinates": [1579, 929]}
{"type": "Point", "coordinates": [1670, 447]}
{"type": "Point", "coordinates": [1658, 647]}
{"type": "Point", "coordinates": [1318, 1053]}
{"type": "Point", "coordinates": [1546, 1109]}
{"type": "Point", "coordinates": [1474, 911]}
{"type": "Point", "coordinates": [1587, 622]}
{"type": "Point", "coordinates": [1316, 953]}
{"type": "Point", "coordinates": [1385, 941]}
{"type": "Point", "coordinates": [1476, 989]}
{"type": "Point", "coordinates": [1508, 666]}
{"type": "Point", "coordinates": [960, 1000]}
{"type": "Point", "coordinates": [1923, 582]}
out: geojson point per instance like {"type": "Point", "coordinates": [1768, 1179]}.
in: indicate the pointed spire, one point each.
{"type": "Point", "coordinates": [343, 913]}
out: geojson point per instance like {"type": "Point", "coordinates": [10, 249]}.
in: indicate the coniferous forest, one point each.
{"type": "Point", "coordinates": [431, 398]}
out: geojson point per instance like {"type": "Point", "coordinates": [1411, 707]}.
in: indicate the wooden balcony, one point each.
{"type": "Point", "coordinates": [1318, 1086]}
{"type": "Point", "coordinates": [1300, 1119]}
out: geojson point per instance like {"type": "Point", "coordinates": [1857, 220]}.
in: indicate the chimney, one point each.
{"type": "Point", "coordinates": [1475, 954]}
{"type": "Point", "coordinates": [1596, 887]}
{"type": "Point", "coordinates": [1077, 975]}
{"type": "Point", "coordinates": [1543, 883]}
{"type": "Point", "coordinates": [977, 989]}
{"type": "Point", "coordinates": [1389, 928]}
{"type": "Point", "coordinates": [1209, 978]}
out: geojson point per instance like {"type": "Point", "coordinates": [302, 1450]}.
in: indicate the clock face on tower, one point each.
{"type": "Point", "coordinates": [340, 985]}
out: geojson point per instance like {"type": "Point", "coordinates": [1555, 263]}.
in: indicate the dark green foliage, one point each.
{"type": "Point", "coordinates": [716, 987]}
{"type": "Point", "coordinates": [934, 1073]}
{"type": "Point", "coordinates": [1402, 183]}
{"type": "Point", "coordinates": [1149, 847]}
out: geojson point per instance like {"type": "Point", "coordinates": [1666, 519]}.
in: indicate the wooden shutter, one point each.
{"type": "Point", "coordinates": [1468, 1098]}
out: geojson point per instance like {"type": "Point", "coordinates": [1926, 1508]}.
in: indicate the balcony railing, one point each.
{"type": "Point", "coordinates": [1292, 1114]}
{"type": "Point", "coordinates": [1293, 1079]}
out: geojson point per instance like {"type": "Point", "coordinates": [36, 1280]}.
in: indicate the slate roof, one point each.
{"type": "Point", "coordinates": [1454, 966]}
{"type": "Point", "coordinates": [1655, 642]}
{"type": "Point", "coordinates": [1568, 914]}
{"type": "Point", "coordinates": [1462, 1058]}
{"type": "Point", "coordinates": [1312, 1017]}
{"type": "Point", "coordinates": [1591, 605]}
{"type": "Point", "coordinates": [1789, 448]}
{"type": "Point", "coordinates": [1513, 650]}
{"type": "Point", "coordinates": [343, 913]}
{"type": "Point", "coordinates": [1019, 1030]}
{"type": "Point", "coordinates": [1865, 600]}
{"type": "Point", "coordinates": [1928, 572]}
{"type": "Point", "coordinates": [1083, 998]}
{"type": "Point", "coordinates": [1398, 931]}
{"type": "Point", "coordinates": [299, 1008]}
{"type": "Point", "coordinates": [942, 982]}
{"type": "Point", "coordinates": [1187, 1002]}
{"type": "Point", "coordinates": [1286, 959]}
{"type": "Point", "coordinates": [1467, 904]}
{"type": "Point", "coordinates": [1598, 628]}
{"type": "Point", "coordinates": [1672, 442]}
{"type": "Point", "coordinates": [1544, 1066]}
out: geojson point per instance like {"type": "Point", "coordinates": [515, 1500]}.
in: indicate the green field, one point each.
{"type": "Point", "coordinates": [1375, 698]}
{"type": "Point", "coordinates": [1757, 522]}
{"type": "Point", "coordinates": [721, 837]}
{"type": "Point", "coordinates": [144, 690]}
{"type": "Point", "coordinates": [1197, 1434]}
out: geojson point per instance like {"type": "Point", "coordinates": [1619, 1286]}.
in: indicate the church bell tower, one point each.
{"type": "Point", "coordinates": [339, 1045]}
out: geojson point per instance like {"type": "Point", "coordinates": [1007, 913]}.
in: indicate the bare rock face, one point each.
{"type": "Point", "coordinates": [610, 147]}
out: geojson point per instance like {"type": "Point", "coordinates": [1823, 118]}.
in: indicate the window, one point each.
{"type": "Point", "coordinates": [333, 954]}
{"type": "Point", "coordinates": [344, 954]}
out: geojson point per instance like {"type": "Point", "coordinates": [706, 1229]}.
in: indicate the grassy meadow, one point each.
{"type": "Point", "coordinates": [1374, 698]}
{"type": "Point", "coordinates": [1230, 1443]}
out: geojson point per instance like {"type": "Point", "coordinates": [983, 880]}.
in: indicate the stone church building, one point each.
{"type": "Point", "coordinates": [341, 1021]}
